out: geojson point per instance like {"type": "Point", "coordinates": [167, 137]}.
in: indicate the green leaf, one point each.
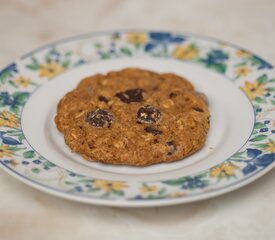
{"type": "Point", "coordinates": [162, 191]}
{"type": "Point", "coordinates": [262, 79]}
{"type": "Point", "coordinates": [21, 138]}
{"type": "Point", "coordinates": [14, 109]}
{"type": "Point", "coordinates": [12, 84]}
{"type": "Point", "coordinates": [258, 138]}
{"type": "Point", "coordinates": [35, 170]}
{"type": "Point", "coordinates": [48, 164]}
{"type": "Point", "coordinates": [272, 80]}
{"type": "Point", "coordinates": [69, 183]}
{"type": "Point", "coordinates": [254, 60]}
{"type": "Point", "coordinates": [4, 76]}
{"type": "Point", "coordinates": [47, 59]}
{"type": "Point", "coordinates": [29, 154]}
{"type": "Point", "coordinates": [35, 61]}
{"type": "Point", "coordinates": [271, 89]}
{"type": "Point", "coordinates": [273, 102]}
{"type": "Point", "coordinates": [33, 67]}
{"type": "Point", "coordinates": [259, 125]}
{"type": "Point", "coordinates": [93, 189]}
{"type": "Point", "coordinates": [85, 180]}
{"type": "Point", "coordinates": [260, 100]}
{"type": "Point", "coordinates": [98, 45]}
{"type": "Point", "coordinates": [219, 67]}
{"type": "Point", "coordinates": [67, 54]}
{"type": "Point", "coordinates": [178, 181]}
{"type": "Point", "coordinates": [14, 149]}
{"type": "Point", "coordinates": [255, 132]}
{"type": "Point", "coordinates": [126, 51]}
{"type": "Point", "coordinates": [21, 97]}
{"type": "Point", "coordinates": [66, 63]}
{"type": "Point", "coordinates": [117, 192]}
{"type": "Point", "coordinates": [240, 64]}
{"type": "Point", "coordinates": [105, 56]}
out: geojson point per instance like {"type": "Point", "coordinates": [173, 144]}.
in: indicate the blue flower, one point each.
{"type": "Point", "coordinates": [216, 60]}
{"type": "Point", "coordinates": [193, 182]}
{"type": "Point", "coordinates": [37, 161]}
{"type": "Point", "coordinates": [249, 168]}
{"type": "Point", "coordinates": [216, 56]}
{"type": "Point", "coordinates": [257, 160]}
{"type": "Point", "coordinates": [78, 189]}
{"type": "Point", "coordinates": [5, 99]}
{"type": "Point", "coordinates": [263, 129]}
{"type": "Point", "coordinates": [13, 101]}
{"type": "Point", "coordinates": [72, 174]}
{"type": "Point", "coordinates": [253, 153]}
{"type": "Point", "coordinates": [162, 39]}
{"type": "Point", "coordinates": [258, 110]}
{"type": "Point", "coordinates": [265, 160]}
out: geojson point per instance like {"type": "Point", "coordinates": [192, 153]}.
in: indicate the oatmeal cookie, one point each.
{"type": "Point", "coordinates": [134, 117]}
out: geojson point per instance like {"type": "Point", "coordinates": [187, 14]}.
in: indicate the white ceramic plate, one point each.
{"type": "Point", "coordinates": [240, 145]}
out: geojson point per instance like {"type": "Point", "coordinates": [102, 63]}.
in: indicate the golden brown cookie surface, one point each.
{"type": "Point", "coordinates": [133, 117]}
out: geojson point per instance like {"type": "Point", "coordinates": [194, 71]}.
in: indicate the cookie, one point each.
{"type": "Point", "coordinates": [134, 117]}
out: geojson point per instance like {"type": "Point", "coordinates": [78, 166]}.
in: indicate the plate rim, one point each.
{"type": "Point", "coordinates": [127, 202]}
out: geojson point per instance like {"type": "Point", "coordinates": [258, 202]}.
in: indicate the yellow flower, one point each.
{"type": "Point", "coordinates": [252, 90]}
{"type": "Point", "coordinates": [5, 151]}
{"type": "Point", "coordinates": [22, 81]}
{"type": "Point", "coordinates": [225, 169]}
{"type": "Point", "coordinates": [137, 38]}
{"type": "Point", "coordinates": [242, 71]}
{"type": "Point", "coordinates": [8, 119]}
{"type": "Point", "coordinates": [187, 52]}
{"type": "Point", "coordinates": [242, 54]}
{"type": "Point", "coordinates": [107, 186]}
{"type": "Point", "coordinates": [50, 70]}
{"type": "Point", "coordinates": [148, 189]}
{"type": "Point", "coordinates": [270, 147]}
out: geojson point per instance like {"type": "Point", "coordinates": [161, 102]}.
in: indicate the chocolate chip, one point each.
{"type": "Point", "coordinates": [99, 118]}
{"type": "Point", "coordinates": [131, 95]}
{"type": "Point", "coordinates": [198, 109]}
{"type": "Point", "coordinates": [153, 130]}
{"type": "Point", "coordinates": [173, 148]}
{"type": "Point", "coordinates": [172, 95]}
{"type": "Point", "coordinates": [148, 114]}
{"type": "Point", "coordinates": [103, 99]}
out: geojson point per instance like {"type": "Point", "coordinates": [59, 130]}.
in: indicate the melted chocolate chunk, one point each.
{"type": "Point", "coordinates": [103, 99]}
{"type": "Point", "coordinates": [152, 130]}
{"type": "Point", "coordinates": [131, 95]}
{"type": "Point", "coordinates": [148, 114]}
{"type": "Point", "coordinates": [100, 118]}
{"type": "Point", "coordinates": [173, 148]}
{"type": "Point", "coordinates": [198, 109]}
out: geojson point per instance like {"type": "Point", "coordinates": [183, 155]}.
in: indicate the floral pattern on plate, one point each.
{"type": "Point", "coordinates": [249, 72]}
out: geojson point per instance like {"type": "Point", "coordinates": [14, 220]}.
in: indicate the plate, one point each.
{"type": "Point", "coordinates": [240, 146]}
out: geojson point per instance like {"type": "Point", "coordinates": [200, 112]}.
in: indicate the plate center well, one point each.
{"type": "Point", "coordinates": [232, 120]}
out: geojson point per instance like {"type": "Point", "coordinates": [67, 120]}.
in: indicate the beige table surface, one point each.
{"type": "Point", "coordinates": [25, 213]}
